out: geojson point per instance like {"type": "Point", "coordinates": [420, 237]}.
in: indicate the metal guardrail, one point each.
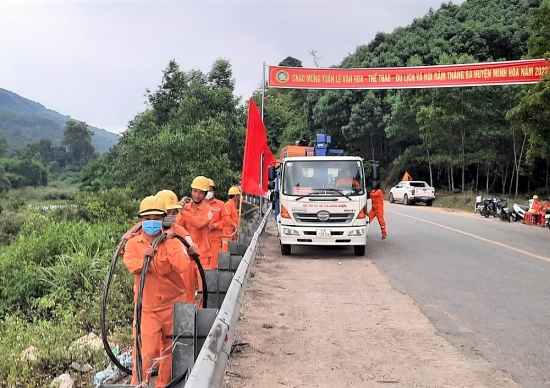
{"type": "Point", "coordinates": [211, 362]}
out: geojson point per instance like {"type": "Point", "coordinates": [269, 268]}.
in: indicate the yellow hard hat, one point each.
{"type": "Point", "coordinates": [211, 183]}
{"type": "Point", "coordinates": [170, 199]}
{"type": "Point", "coordinates": [200, 183]}
{"type": "Point", "coordinates": [152, 205]}
{"type": "Point", "coordinates": [535, 196]}
{"type": "Point", "coordinates": [233, 191]}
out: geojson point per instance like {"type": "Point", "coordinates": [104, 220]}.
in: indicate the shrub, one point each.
{"type": "Point", "coordinates": [110, 204]}
{"type": "Point", "coordinates": [10, 225]}
{"type": "Point", "coordinates": [41, 246]}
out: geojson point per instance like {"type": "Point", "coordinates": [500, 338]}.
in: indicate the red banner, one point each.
{"type": "Point", "coordinates": [473, 74]}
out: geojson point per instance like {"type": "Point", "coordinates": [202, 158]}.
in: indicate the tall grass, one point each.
{"type": "Point", "coordinates": [51, 285]}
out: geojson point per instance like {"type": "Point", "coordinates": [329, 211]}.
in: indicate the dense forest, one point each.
{"type": "Point", "coordinates": [37, 161]}
{"type": "Point", "coordinates": [490, 138]}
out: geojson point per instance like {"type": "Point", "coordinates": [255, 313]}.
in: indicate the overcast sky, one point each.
{"type": "Point", "coordinates": [93, 60]}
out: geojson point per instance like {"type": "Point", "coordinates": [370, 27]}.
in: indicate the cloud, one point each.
{"type": "Point", "coordinates": [93, 60]}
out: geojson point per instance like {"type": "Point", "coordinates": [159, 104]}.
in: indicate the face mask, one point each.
{"type": "Point", "coordinates": [168, 221]}
{"type": "Point", "coordinates": [151, 227]}
{"type": "Point", "coordinates": [209, 195]}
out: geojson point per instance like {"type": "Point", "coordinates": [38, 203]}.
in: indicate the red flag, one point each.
{"type": "Point", "coordinates": [255, 145]}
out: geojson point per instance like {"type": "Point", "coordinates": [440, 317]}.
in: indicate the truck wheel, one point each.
{"type": "Point", "coordinates": [429, 203]}
{"type": "Point", "coordinates": [286, 249]}
{"type": "Point", "coordinates": [406, 200]}
{"type": "Point", "coordinates": [359, 250]}
{"type": "Point", "coordinates": [392, 200]}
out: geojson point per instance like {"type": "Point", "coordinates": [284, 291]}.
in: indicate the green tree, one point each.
{"type": "Point", "coordinates": [195, 126]}
{"type": "Point", "coordinates": [3, 147]}
{"type": "Point", "coordinates": [78, 140]}
{"type": "Point", "coordinates": [532, 113]}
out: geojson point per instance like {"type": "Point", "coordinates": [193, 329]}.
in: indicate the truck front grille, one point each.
{"type": "Point", "coordinates": [342, 218]}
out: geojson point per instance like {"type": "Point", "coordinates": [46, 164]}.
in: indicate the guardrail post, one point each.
{"type": "Point", "coordinates": [185, 337]}
{"type": "Point", "coordinates": [218, 283]}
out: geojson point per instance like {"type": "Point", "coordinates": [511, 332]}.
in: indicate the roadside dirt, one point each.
{"type": "Point", "coordinates": [334, 321]}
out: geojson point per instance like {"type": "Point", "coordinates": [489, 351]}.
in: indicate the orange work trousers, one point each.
{"type": "Point", "coordinates": [155, 326]}
{"type": "Point", "coordinates": [379, 214]}
{"type": "Point", "coordinates": [216, 247]}
{"type": "Point", "coordinates": [190, 279]}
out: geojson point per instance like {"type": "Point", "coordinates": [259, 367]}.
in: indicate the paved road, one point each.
{"type": "Point", "coordinates": [485, 284]}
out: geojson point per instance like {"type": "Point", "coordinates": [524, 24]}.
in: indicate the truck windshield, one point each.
{"type": "Point", "coordinates": [323, 178]}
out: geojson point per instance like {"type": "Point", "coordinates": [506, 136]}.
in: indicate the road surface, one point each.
{"type": "Point", "coordinates": [448, 300]}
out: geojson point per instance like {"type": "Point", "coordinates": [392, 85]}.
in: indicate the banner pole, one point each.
{"type": "Point", "coordinates": [240, 214]}
{"type": "Point", "coordinates": [261, 183]}
{"type": "Point", "coordinates": [263, 92]}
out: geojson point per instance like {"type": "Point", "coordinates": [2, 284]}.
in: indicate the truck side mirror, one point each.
{"type": "Point", "coordinates": [375, 172]}
{"type": "Point", "coordinates": [271, 173]}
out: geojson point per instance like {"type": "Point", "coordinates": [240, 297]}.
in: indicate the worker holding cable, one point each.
{"type": "Point", "coordinates": [163, 287]}
{"type": "Point", "coordinates": [195, 216]}
{"type": "Point", "coordinates": [172, 210]}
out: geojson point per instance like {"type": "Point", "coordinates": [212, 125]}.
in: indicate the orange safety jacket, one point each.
{"type": "Point", "coordinates": [196, 221]}
{"type": "Point", "coordinates": [231, 207]}
{"type": "Point", "coordinates": [377, 198]}
{"type": "Point", "coordinates": [220, 219]}
{"type": "Point", "coordinates": [164, 284]}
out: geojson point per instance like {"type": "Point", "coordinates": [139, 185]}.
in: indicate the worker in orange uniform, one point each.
{"type": "Point", "coordinates": [195, 216]}
{"type": "Point", "coordinates": [219, 220]}
{"type": "Point", "coordinates": [172, 210]}
{"type": "Point", "coordinates": [377, 208]}
{"type": "Point", "coordinates": [537, 207]}
{"type": "Point", "coordinates": [164, 286]}
{"type": "Point", "coordinates": [537, 211]}
{"type": "Point", "coordinates": [170, 228]}
{"type": "Point", "coordinates": [347, 181]}
{"type": "Point", "coordinates": [230, 231]}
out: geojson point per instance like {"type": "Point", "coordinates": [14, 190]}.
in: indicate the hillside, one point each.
{"type": "Point", "coordinates": [23, 121]}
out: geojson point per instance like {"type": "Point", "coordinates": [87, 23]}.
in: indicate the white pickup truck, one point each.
{"type": "Point", "coordinates": [411, 192]}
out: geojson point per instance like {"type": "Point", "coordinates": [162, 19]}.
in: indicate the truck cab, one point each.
{"type": "Point", "coordinates": [321, 200]}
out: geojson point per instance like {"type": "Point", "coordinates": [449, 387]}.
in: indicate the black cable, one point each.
{"type": "Point", "coordinates": [196, 259]}
{"type": "Point", "coordinates": [108, 280]}
{"type": "Point", "coordinates": [139, 303]}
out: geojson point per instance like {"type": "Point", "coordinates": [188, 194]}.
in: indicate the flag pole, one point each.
{"type": "Point", "coordinates": [261, 183]}
{"type": "Point", "coordinates": [240, 214]}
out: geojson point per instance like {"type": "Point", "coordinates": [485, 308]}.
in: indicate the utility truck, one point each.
{"type": "Point", "coordinates": [320, 198]}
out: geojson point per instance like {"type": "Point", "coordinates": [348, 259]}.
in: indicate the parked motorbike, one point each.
{"type": "Point", "coordinates": [478, 205]}
{"type": "Point", "coordinates": [518, 212]}
{"type": "Point", "coordinates": [504, 213]}
{"type": "Point", "coordinates": [489, 208]}
{"type": "Point", "coordinates": [547, 218]}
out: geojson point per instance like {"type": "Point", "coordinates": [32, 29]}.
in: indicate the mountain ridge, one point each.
{"type": "Point", "coordinates": [23, 121]}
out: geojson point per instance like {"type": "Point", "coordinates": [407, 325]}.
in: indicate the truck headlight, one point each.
{"type": "Point", "coordinates": [357, 232]}
{"type": "Point", "coordinates": [290, 232]}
